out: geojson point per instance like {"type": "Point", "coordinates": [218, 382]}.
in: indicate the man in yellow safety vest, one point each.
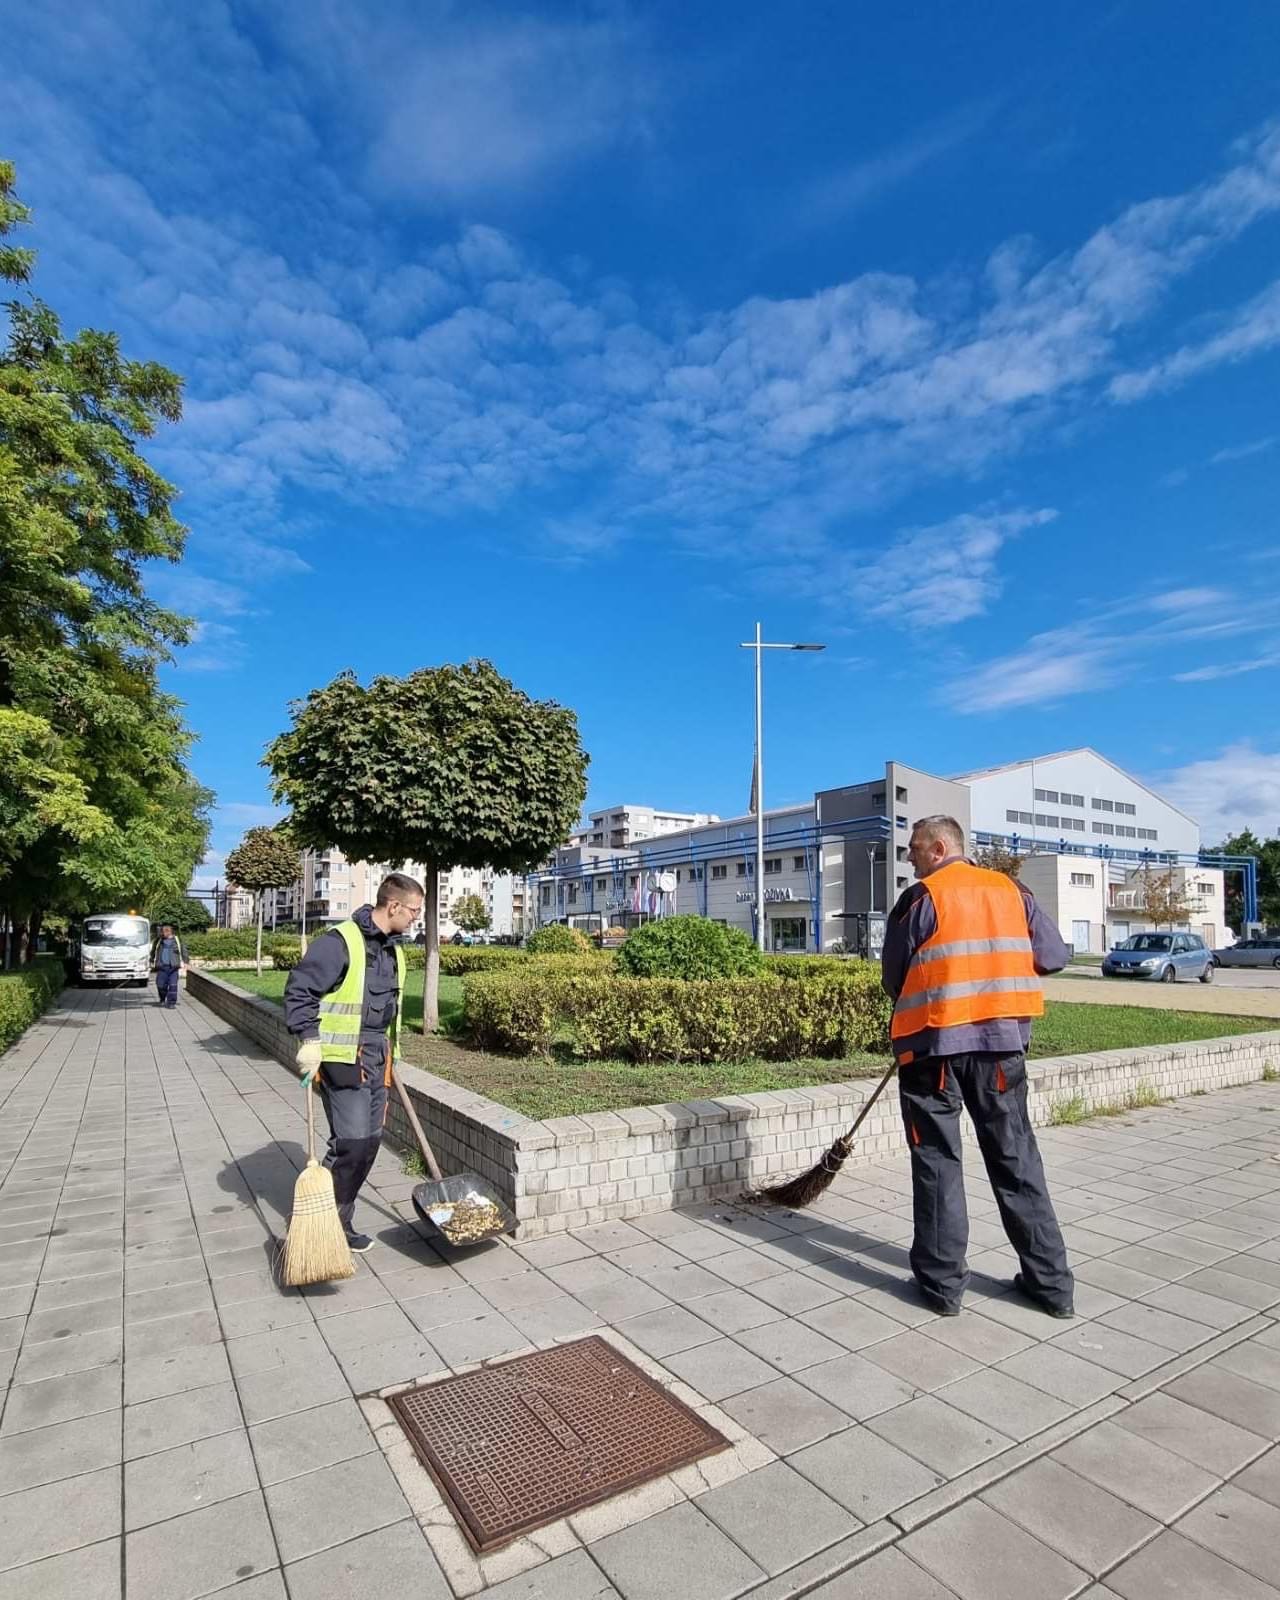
{"type": "Point", "coordinates": [344, 1002]}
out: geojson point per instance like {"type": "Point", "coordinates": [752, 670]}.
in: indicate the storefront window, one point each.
{"type": "Point", "coordinates": [789, 933]}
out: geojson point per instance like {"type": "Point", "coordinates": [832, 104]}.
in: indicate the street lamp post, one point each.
{"type": "Point", "coordinates": [759, 645]}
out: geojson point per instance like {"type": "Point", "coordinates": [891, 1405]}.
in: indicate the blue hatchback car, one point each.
{"type": "Point", "coordinates": [1160, 957]}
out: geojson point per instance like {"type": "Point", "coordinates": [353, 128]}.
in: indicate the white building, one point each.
{"type": "Point", "coordinates": [617, 826]}
{"type": "Point", "coordinates": [1090, 834]}
{"type": "Point", "coordinates": [1076, 797]}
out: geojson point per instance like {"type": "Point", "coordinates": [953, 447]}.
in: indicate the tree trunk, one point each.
{"type": "Point", "coordinates": [34, 923]}
{"type": "Point", "coordinates": [431, 952]}
{"type": "Point", "coordinates": [259, 954]}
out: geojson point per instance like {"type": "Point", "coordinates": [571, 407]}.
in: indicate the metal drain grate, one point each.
{"type": "Point", "coordinates": [517, 1445]}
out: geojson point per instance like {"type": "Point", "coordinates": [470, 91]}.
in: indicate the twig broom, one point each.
{"type": "Point", "coordinates": [315, 1247]}
{"type": "Point", "coordinates": [797, 1193]}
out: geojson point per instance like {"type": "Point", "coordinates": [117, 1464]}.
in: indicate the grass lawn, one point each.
{"type": "Point", "coordinates": [550, 1087]}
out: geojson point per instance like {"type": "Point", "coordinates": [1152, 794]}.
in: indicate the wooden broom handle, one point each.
{"type": "Point", "coordinates": [433, 1166]}
{"type": "Point", "coordinates": [311, 1122]}
{"type": "Point", "coordinates": [862, 1115]}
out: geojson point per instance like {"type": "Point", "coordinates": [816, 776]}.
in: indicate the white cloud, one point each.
{"type": "Point", "coordinates": [1236, 789]}
{"type": "Point", "coordinates": [1241, 452]}
{"type": "Point", "coordinates": [948, 570]}
{"type": "Point", "coordinates": [1149, 632]}
{"type": "Point", "coordinates": [1249, 331]}
{"type": "Point", "coordinates": [1228, 669]}
{"type": "Point", "coordinates": [853, 187]}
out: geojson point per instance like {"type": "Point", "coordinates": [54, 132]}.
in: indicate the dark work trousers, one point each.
{"type": "Point", "coordinates": [356, 1111]}
{"type": "Point", "coordinates": [167, 985]}
{"type": "Point", "coordinates": [993, 1089]}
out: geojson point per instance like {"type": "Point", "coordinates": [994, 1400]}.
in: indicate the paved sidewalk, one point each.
{"type": "Point", "coordinates": [176, 1426]}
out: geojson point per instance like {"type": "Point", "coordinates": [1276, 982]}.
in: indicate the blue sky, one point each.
{"type": "Point", "coordinates": [581, 336]}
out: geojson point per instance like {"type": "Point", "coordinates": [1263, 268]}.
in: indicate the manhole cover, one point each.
{"type": "Point", "coordinates": [518, 1445]}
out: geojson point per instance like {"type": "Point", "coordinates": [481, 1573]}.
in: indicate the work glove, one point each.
{"type": "Point", "coordinates": [309, 1060]}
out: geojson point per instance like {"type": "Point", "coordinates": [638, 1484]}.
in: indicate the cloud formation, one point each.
{"type": "Point", "coordinates": [1238, 788]}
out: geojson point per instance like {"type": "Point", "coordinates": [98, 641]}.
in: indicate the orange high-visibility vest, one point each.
{"type": "Point", "coordinates": [978, 964]}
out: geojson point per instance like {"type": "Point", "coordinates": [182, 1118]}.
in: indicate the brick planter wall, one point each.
{"type": "Point", "coordinates": [571, 1171]}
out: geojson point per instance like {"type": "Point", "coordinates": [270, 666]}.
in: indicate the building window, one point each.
{"type": "Point", "coordinates": [797, 863]}
{"type": "Point", "coordinates": [1104, 827]}
{"type": "Point", "coordinates": [742, 869]}
{"type": "Point", "coordinates": [1082, 880]}
{"type": "Point", "coordinates": [772, 865]}
{"type": "Point", "coordinates": [1147, 833]}
{"type": "Point", "coordinates": [1072, 800]}
{"type": "Point", "coordinates": [901, 821]}
{"type": "Point", "coordinates": [573, 893]}
{"type": "Point", "coordinates": [632, 881]}
{"type": "Point", "coordinates": [1017, 816]}
{"type": "Point", "coordinates": [1045, 819]}
{"type": "Point", "coordinates": [720, 871]}
{"type": "Point", "coordinates": [1126, 808]}
{"type": "Point", "coordinates": [546, 894]}
{"type": "Point", "coordinates": [902, 852]}
{"type": "Point", "coordinates": [1051, 795]}
{"type": "Point", "coordinates": [602, 883]}
{"type": "Point", "coordinates": [900, 794]}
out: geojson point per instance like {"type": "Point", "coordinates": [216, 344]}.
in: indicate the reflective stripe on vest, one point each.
{"type": "Point", "coordinates": [342, 1009]}
{"type": "Point", "coordinates": [978, 964]}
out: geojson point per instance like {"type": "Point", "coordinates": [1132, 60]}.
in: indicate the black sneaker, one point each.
{"type": "Point", "coordinates": [358, 1243]}
{"type": "Point", "coordinates": [1063, 1313]}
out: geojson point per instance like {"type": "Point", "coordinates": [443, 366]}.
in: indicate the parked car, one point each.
{"type": "Point", "coordinates": [1249, 953]}
{"type": "Point", "coordinates": [1162, 957]}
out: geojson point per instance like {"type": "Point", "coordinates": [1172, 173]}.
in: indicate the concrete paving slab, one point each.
{"type": "Point", "coordinates": [777, 1516]}
{"type": "Point", "coordinates": [201, 1552]}
{"type": "Point", "coordinates": [865, 1473]}
{"type": "Point", "coordinates": [1174, 1568]}
{"type": "Point", "coordinates": [187, 1478]}
{"type": "Point", "coordinates": [1153, 1480]}
{"type": "Point", "coordinates": [679, 1551]}
{"type": "Point", "coordinates": [1091, 1528]}
{"type": "Point", "coordinates": [981, 1555]}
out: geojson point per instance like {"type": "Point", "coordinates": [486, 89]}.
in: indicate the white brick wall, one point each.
{"type": "Point", "coordinates": [571, 1171]}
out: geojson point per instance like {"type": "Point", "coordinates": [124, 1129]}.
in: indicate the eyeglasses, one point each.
{"type": "Point", "coordinates": [413, 911]}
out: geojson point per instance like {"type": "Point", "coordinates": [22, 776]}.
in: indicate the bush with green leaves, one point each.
{"type": "Point", "coordinates": [235, 944]}
{"type": "Point", "coordinates": [25, 994]}
{"type": "Point", "coordinates": [689, 947]}
{"type": "Point", "coordinates": [556, 940]}
{"type": "Point", "coordinates": [606, 1016]}
{"type": "Point", "coordinates": [286, 954]}
{"type": "Point", "coordinates": [458, 959]}
{"type": "Point", "coordinates": [806, 966]}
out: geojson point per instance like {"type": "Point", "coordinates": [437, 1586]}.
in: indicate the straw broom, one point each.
{"type": "Point", "coordinates": [315, 1247]}
{"type": "Point", "coordinates": [796, 1193]}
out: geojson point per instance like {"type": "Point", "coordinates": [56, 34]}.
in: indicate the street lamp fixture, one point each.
{"type": "Point", "coordinates": [759, 645]}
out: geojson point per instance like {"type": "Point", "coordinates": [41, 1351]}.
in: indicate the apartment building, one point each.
{"type": "Point", "coordinates": [618, 826]}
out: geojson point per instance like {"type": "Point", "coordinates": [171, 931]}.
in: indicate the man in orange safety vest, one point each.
{"type": "Point", "coordinates": [963, 952]}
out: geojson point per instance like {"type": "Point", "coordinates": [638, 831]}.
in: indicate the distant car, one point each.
{"type": "Point", "coordinates": [1249, 953]}
{"type": "Point", "coordinates": [1160, 957]}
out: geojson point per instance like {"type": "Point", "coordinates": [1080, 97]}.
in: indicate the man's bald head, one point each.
{"type": "Point", "coordinates": [934, 840]}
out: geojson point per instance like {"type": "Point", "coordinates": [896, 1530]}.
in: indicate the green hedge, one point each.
{"type": "Point", "coordinates": [810, 966]}
{"type": "Point", "coordinates": [667, 1019]}
{"type": "Point", "coordinates": [236, 944]}
{"type": "Point", "coordinates": [26, 993]}
{"type": "Point", "coordinates": [689, 947]}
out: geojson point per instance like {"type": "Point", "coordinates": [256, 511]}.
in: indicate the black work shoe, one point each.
{"type": "Point", "coordinates": [1063, 1313]}
{"type": "Point", "coordinates": [936, 1304]}
{"type": "Point", "coordinates": [358, 1243]}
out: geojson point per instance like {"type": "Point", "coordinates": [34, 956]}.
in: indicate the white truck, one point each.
{"type": "Point", "coordinates": [115, 948]}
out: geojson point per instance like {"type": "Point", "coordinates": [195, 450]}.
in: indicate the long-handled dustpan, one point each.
{"type": "Point", "coordinates": [464, 1208]}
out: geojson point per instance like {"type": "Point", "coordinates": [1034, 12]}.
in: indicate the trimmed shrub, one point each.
{"type": "Point", "coordinates": [604, 1016]}
{"type": "Point", "coordinates": [808, 966]}
{"type": "Point", "coordinates": [25, 994]}
{"type": "Point", "coordinates": [556, 940]}
{"type": "Point", "coordinates": [689, 947]}
{"type": "Point", "coordinates": [237, 944]}
{"type": "Point", "coordinates": [286, 954]}
{"type": "Point", "coordinates": [459, 959]}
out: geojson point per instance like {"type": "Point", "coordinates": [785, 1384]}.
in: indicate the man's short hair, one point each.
{"type": "Point", "coordinates": [165, 925]}
{"type": "Point", "coordinates": [396, 885]}
{"type": "Point", "coordinates": [945, 828]}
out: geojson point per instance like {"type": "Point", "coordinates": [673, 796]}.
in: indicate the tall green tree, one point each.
{"type": "Point", "coordinates": [1268, 854]}
{"type": "Point", "coordinates": [451, 766]}
{"type": "Point", "coordinates": [470, 913]}
{"type": "Point", "coordinates": [266, 858]}
{"type": "Point", "coordinates": [184, 913]}
{"type": "Point", "coordinates": [106, 809]}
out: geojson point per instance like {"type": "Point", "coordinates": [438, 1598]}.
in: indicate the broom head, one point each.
{"type": "Point", "coordinates": [315, 1247]}
{"type": "Point", "coordinates": [796, 1193]}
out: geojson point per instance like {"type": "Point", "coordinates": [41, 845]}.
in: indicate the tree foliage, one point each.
{"type": "Point", "coordinates": [999, 858]}
{"type": "Point", "coordinates": [1164, 899]}
{"type": "Point", "coordinates": [184, 914]}
{"type": "Point", "coordinates": [266, 858]}
{"type": "Point", "coordinates": [470, 913]}
{"type": "Point", "coordinates": [449, 766]}
{"type": "Point", "coordinates": [1268, 854]}
{"type": "Point", "coordinates": [96, 803]}
{"type": "Point", "coordinates": [689, 947]}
